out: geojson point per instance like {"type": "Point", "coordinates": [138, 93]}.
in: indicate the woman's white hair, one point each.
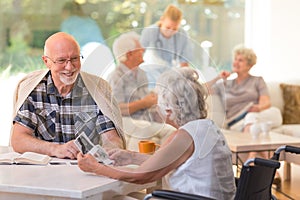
{"type": "Point", "coordinates": [180, 91]}
{"type": "Point", "coordinates": [125, 43]}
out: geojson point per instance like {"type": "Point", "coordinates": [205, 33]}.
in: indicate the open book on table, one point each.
{"type": "Point", "coordinates": [238, 116]}
{"type": "Point", "coordinates": [85, 145]}
{"type": "Point", "coordinates": [29, 158]}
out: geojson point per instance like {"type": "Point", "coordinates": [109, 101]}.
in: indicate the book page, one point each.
{"type": "Point", "coordinates": [8, 158]}
{"type": "Point", "coordinates": [33, 158]}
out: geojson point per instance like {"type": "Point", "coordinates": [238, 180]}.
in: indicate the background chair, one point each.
{"type": "Point", "coordinates": [255, 183]}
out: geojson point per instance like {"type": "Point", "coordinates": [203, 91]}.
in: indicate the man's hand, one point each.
{"type": "Point", "coordinates": [67, 150]}
{"type": "Point", "coordinates": [150, 99]}
{"type": "Point", "coordinates": [22, 140]}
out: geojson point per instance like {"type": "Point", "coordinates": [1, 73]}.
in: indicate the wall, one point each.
{"type": "Point", "coordinates": [272, 30]}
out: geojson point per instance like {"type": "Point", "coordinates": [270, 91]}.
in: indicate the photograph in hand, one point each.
{"type": "Point", "coordinates": [100, 154]}
{"type": "Point", "coordinates": [83, 143]}
{"type": "Point", "coordinates": [85, 146]}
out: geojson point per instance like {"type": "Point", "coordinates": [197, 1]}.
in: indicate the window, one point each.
{"type": "Point", "coordinates": [25, 25]}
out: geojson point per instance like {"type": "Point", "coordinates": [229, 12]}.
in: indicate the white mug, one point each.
{"type": "Point", "coordinates": [255, 130]}
{"type": "Point", "coordinates": [265, 128]}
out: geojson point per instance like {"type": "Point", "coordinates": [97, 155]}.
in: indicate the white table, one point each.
{"type": "Point", "coordinates": [241, 143]}
{"type": "Point", "coordinates": [59, 182]}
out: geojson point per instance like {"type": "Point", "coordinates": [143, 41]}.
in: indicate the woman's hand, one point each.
{"type": "Point", "coordinates": [121, 157]}
{"type": "Point", "coordinates": [124, 157]}
{"type": "Point", "coordinates": [224, 74]}
{"type": "Point", "coordinates": [87, 162]}
{"type": "Point", "coordinates": [255, 108]}
{"type": "Point", "coordinates": [263, 103]}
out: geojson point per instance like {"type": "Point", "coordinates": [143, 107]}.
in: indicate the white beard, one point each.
{"type": "Point", "coordinates": [68, 80]}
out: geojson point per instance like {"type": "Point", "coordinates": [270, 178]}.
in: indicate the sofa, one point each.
{"type": "Point", "coordinates": [285, 96]}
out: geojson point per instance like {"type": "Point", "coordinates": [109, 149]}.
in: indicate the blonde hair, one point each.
{"type": "Point", "coordinates": [247, 53]}
{"type": "Point", "coordinates": [173, 13]}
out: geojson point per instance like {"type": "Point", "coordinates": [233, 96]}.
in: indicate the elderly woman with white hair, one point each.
{"type": "Point", "coordinates": [244, 91]}
{"type": "Point", "coordinates": [196, 153]}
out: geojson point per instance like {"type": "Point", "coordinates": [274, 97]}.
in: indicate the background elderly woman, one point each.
{"type": "Point", "coordinates": [196, 153]}
{"type": "Point", "coordinates": [244, 90]}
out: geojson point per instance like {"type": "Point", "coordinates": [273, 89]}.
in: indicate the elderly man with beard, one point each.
{"type": "Point", "coordinates": [53, 106]}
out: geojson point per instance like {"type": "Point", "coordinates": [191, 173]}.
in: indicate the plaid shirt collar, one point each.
{"type": "Point", "coordinates": [78, 90]}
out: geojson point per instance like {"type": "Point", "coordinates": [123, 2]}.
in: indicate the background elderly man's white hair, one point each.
{"type": "Point", "coordinates": [125, 43]}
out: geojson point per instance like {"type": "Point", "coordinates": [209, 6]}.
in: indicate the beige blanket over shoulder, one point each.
{"type": "Point", "coordinates": [99, 89]}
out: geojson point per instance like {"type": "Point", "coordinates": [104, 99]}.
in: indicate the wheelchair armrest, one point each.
{"type": "Point", "coordinates": [262, 162]}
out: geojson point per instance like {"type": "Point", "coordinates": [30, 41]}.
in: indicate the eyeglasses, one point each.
{"type": "Point", "coordinates": [62, 61]}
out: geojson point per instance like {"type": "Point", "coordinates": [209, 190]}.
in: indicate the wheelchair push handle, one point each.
{"type": "Point", "coordinates": [286, 148]}
{"type": "Point", "coordinates": [292, 149]}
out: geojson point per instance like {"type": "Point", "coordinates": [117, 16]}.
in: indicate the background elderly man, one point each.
{"type": "Point", "coordinates": [130, 88]}
{"type": "Point", "coordinates": [129, 83]}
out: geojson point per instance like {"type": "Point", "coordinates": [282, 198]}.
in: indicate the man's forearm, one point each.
{"type": "Point", "coordinates": [111, 140]}
{"type": "Point", "coordinates": [23, 142]}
